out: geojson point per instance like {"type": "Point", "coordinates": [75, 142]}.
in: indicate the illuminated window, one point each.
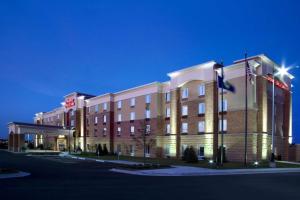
{"type": "Point", "coordinates": [119, 117]}
{"type": "Point", "coordinates": [148, 114]}
{"type": "Point", "coordinates": [104, 118]}
{"type": "Point", "coordinates": [132, 116]}
{"type": "Point", "coordinates": [167, 149]}
{"type": "Point", "coordinates": [201, 108]}
{"type": "Point", "coordinates": [224, 125]}
{"type": "Point", "coordinates": [96, 120]}
{"type": "Point", "coordinates": [105, 106]}
{"type": "Point", "coordinates": [168, 112]}
{"type": "Point", "coordinates": [168, 97]}
{"type": "Point", "coordinates": [168, 128]}
{"type": "Point", "coordinates": [148, 98]}
{"type": "Point", "coordinates": [185, 93]}
{"type": "Point", "coordinates": [184, 110]}
{"type": "Point", "coordinates": [184, 127]}
{"type": "Point", "coordinates": [132, 102]}
{"type": "Point", "coordinates": [72, 122]}
{"type": "Point", "coordinates": [119, 131]}
{"type": "Point", "coordinates": [72, 112]}
{"type": "Point", "coordinates": [200, 151]}
{"type": "Point", "coordinates": [119, 104]}
{"type": "Point", "coordinates": [104, 131]}
{"type": "Point", "coordinates": [225, 105]}
{"type": "Point", "coordinates": [201, 126]}
{"type": "Point", "coordinates": [148, 129]}
{"type": "Point", "coordinates": [132, 130]}
{"type": "Point", "coordinates": [96, 108]}
{"type": "Point", "coordinates": [201, 89]}
{"type": "Point", "coordinates": [131, 149]}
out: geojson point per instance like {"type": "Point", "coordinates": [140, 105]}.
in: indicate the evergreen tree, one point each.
{"type": "Point", "coordinates": [105, 151]}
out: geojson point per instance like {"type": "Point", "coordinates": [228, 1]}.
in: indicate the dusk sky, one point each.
{"type": "Point", "coordinates": [51, 48]}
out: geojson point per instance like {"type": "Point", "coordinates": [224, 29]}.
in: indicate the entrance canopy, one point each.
{"type": "Point", "coordinates": [28, 128]}
{"type": "Point", "coordinates": [17, 131]}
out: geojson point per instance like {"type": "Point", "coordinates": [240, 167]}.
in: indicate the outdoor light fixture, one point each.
{"type": "Point", "coordinates": [210, 161]}
{"type": "Point", "coordinates": [256, 163]}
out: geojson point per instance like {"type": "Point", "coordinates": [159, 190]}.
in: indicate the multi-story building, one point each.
{"type": "Point", "coordinates": [184, 111]}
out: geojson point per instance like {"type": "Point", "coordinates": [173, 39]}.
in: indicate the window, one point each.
{"type": "Point", "coordinates": [119, 104]}
{"type": "Point", "coordinates": [225, 105]}
{"type": "Point", "coordinates": [132, 130]}
{"type": "Point", "coordinates": [167, 149]}
{"type": "Point", "coordinates": [184, 127]}
{"type": "Point", "coordinates": [183, 148]}
{"type": "Point", "coordinates": [185, 93]}
{"type": "Point", "coordinates": [201, 89]}
{"type": "Point", "coordinates": [224, 125]}
{"type": "Point", "coordinates": [201, 127]}
{"type": "Point", "coordinates": [104, 118]}
{"type": "Point", "coordinates": [132, 102]}
{"type": "Point", "coordinates": [96, 108]}
{"type": "Point", "coordinates": [132, 116]}
{"type": "Point", "coordinates": [184, 110]}
{"type": "Point", "coordinates": [200, 151]}
{"type": "Point", "coordinates": [72, 122]}
{"type": "Point", "coordinates": [105, 106]}
{"type": "Point", "coordinates": [168, 97]}
{"type": "Point", "coordinates": [72, 112]}
{"type": "Point", "coordinates": [148, 129]}
{"type": "Point", "coordinates": [96, 120]}
{"type": "Point", "coordinates": [147, 150]}
{"type": "Point", "coordinates": [119, 117]}
{"type": "Point", "coordinates": [148, 98]}
{"type": "Point", "coordinates": [87, 121]}
{"type": "Point", "coordinates": [131, 149]}
{"type": "Point", "coordinates": [88, 109]}
{"type": "Point", "coordinates": [168, 128]}
{"type": "Point", "coordinates": [119, 131]}
{"type": "Point", "coordinates": [168, 112]}
{"type": "Point", "coordinates": [119, 149]}
{"type": "Point", "coordinates": [148, 114]}
{"type": "Point", "coordinates": [201, 108]}
{"type": "Point", "coordinates": [57, 116]}
{"type": "Point", "coordinates": [104, 131]}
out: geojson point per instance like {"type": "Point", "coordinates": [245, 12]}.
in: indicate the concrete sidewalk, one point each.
{"type": "Point", "coordinates": [197, 171]}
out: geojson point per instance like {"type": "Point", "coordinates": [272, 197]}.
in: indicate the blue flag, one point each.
{"type": "Point", "coordinates": [225, 85]}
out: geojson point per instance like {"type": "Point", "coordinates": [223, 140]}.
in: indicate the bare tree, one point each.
{"type": "Point", "coordinates": [144, 138]}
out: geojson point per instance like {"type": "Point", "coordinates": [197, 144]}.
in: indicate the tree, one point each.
{"type": "Point", "coordinates": [190, 155]}
{"type": "Point", "coordinates": [99, 150]}
{"type": "Point", "coordinates": [105, 151]}
{"type": "Point", "coordinates": [144, 138]}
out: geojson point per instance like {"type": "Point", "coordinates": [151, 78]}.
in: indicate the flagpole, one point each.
{"type": "Point", "coordinates": [246, 110]}
{"type": "Point", "coordinates": [222, 116]}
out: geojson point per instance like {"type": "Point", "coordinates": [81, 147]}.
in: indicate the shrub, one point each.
{"type": "Point", "coordinates": [99, 150]}
{"type": "Point", "coordinates": [30, 145]}
{"type": "Point", "coordinates": [105, 151]}
{"type": "Point", "coordinates": [190, 155]}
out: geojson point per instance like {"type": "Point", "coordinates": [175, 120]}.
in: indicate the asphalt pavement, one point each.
{"type": "Point", "coordinates": [65, 178]}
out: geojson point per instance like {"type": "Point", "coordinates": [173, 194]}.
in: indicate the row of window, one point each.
{"type": "Point", "coordinates": [199, 149]}
{"type": "Point", "coordinates": [201, 127]}
{"type": "Point", "coordinates": [185, 91]}
{"type": "Point", "coordinates": [132, 130]}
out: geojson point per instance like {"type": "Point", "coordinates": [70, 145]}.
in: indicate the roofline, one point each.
{"type": "Point", "coordinates": [186, 69]}
{"type": "Point", "coordinates": [263, 56]}
{"type": "Point", "coordinates": [137, 87]}
{"type": "Point", "coordinates": [33, 125]}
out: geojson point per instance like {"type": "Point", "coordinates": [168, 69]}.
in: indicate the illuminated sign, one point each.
{"type": "Point", "coordinates": [278, 83]}
{"type": "Point", "coordinates": [70, 102]}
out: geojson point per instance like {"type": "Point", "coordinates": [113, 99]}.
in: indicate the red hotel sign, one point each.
{"type": "Point", "coordinates": [70, 102]}
{"type": "Point", "coordinates": [278, 83]}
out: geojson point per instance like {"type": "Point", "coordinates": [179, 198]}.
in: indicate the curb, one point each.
{"type": "Point", "coordinates": [20, 174]}
{"type": "Point", "coordinates": [207, 173]}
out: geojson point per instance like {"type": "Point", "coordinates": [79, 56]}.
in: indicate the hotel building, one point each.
{"type": "Point", "coordinates": [183, 111]}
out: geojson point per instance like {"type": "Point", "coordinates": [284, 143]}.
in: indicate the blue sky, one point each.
{"type": "Point", "coordinates": [51, 48]}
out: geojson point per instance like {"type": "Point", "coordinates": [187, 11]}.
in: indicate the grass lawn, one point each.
{"type": "Point", "coordinates": [202, 163]}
